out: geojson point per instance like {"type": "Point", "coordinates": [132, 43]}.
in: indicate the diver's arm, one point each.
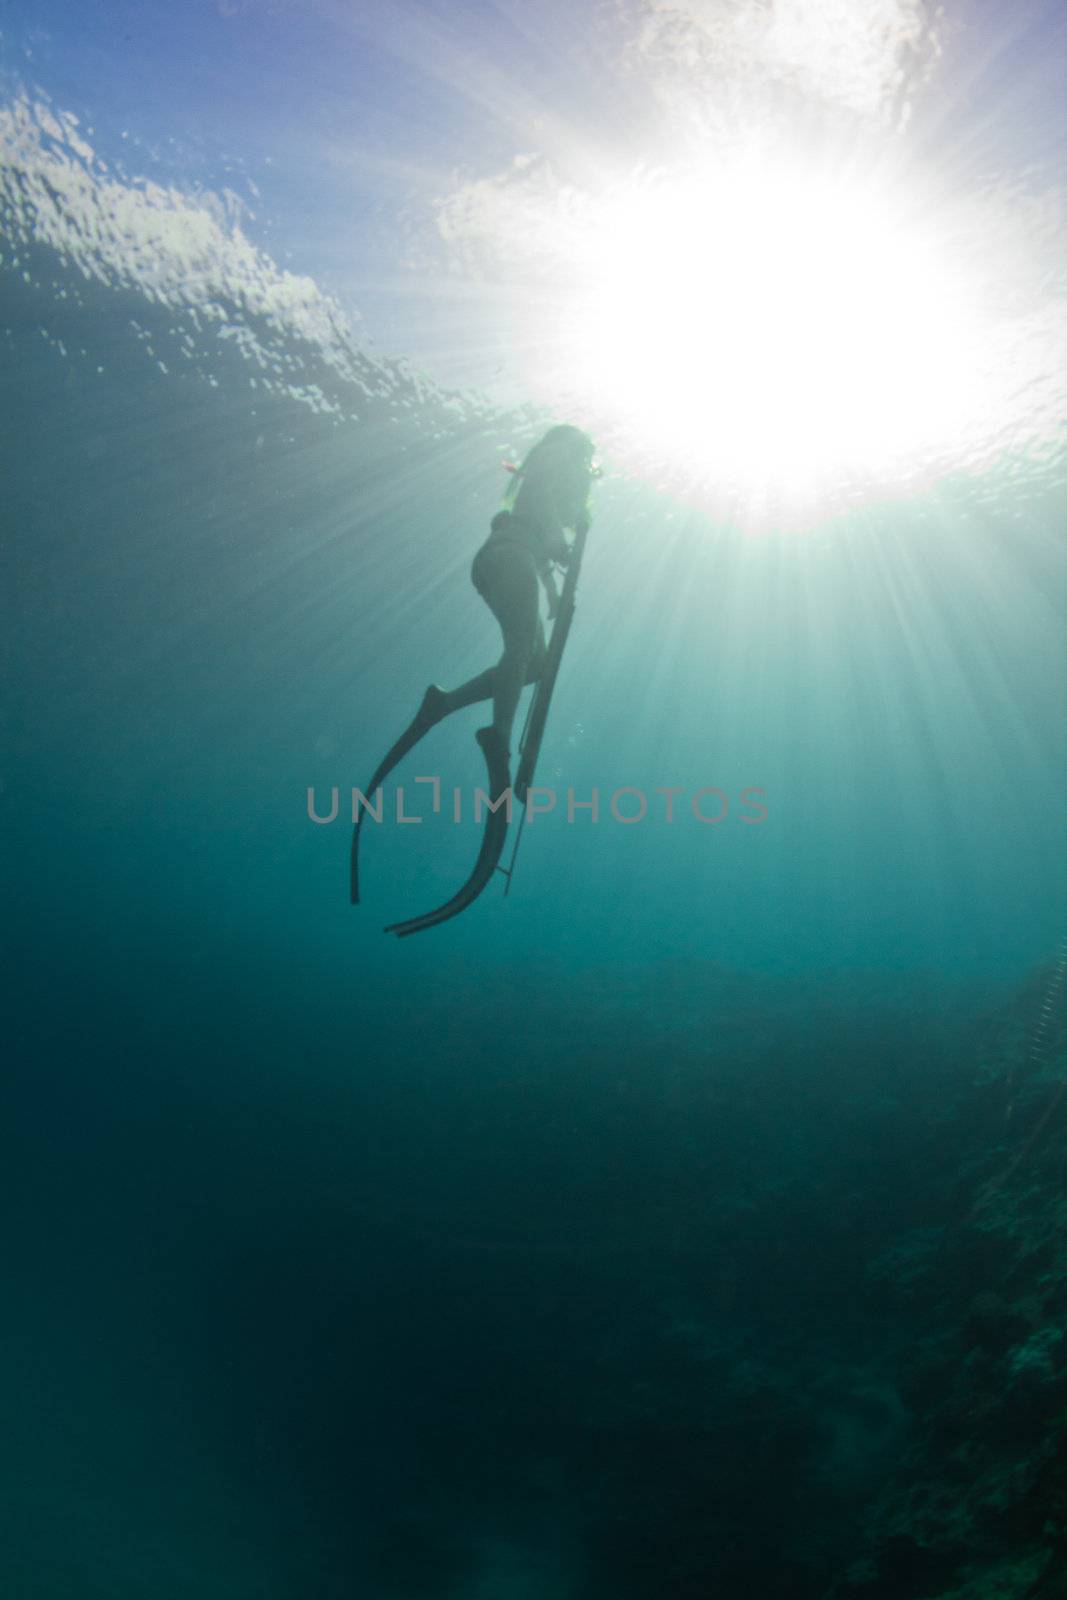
{"type": "Point", "coordinates": [572, 496]}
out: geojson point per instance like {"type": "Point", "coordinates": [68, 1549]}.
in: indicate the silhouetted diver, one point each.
{"type": "Point", "coordinates": [548, 494]}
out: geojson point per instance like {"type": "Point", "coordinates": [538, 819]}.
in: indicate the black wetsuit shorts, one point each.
{"type": "Point", "coordinates": [505, 574]}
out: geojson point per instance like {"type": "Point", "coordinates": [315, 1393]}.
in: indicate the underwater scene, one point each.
{"type": "Point", "coordinates": [533, 782]}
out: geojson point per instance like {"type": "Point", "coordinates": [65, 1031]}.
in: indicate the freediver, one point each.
{"type": "Point", "coordinates": [548, 494]}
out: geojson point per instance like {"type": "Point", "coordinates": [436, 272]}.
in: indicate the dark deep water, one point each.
{"type": "Point", "coordinates": [690, 1223]}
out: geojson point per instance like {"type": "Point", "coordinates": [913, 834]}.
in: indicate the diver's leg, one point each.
{"type": "Point", "coordinates": [483, 685]}
{"type": "Point", "coordinates": [506, 578]}
{"type": "Point", "coordinates": [469, 693]}
{"type": "Point", "coordinates": [514, 603]}
{"type": "Point", "coordinates": [489, 573]}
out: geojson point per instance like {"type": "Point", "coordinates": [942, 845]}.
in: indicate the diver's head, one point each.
{"type": "Point", "coordinates": [565, 433]}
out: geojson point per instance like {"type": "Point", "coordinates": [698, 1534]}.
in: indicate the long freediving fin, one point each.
{"type": "Point", "coordinates": [496, 832]}
{"type": "Point", "coordinates": [429, 714]}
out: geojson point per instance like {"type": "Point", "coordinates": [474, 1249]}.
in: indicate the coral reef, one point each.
{"type": "Point", "coordinates": [976, 1295]}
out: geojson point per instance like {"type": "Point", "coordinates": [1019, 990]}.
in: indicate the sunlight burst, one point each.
{"type": "Point", "coordinates": [773, 328]}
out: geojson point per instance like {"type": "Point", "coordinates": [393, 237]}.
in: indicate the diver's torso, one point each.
{"type": "Point", "coordinates": [551, 496]}
{"type": "Point", "coordinates": [514, 529]}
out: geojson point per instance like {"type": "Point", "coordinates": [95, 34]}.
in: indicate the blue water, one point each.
{"type": "Point", "coordinates": [345, 1266]}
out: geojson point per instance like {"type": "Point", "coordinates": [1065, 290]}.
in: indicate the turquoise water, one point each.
{"type": "Point", "coordinates": [532, 1256]}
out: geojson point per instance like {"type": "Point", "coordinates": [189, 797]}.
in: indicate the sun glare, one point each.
{"type": "Point", "coordinates": [774, 330]}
